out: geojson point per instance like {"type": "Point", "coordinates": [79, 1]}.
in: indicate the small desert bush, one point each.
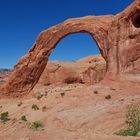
{"type": "Point", "coordinates": [62, 94]}
{"type": "Point", "coordinates": [19, 104]}
{"type": "Point", "coordinates": [36, 125]}
{"type": "Point", "coordinates": [132, 121]}
{"type": "Point", "coordinates": [23, 118]}
{"type": "Point", "coordinates": [4, 117]}
{"type": "Point", "coordinates": [39, 96]}
{"type": "Point", "coordinates": [108, 97]}
{"type": "Point", "coordinates": [133, 118]}
{"type": "Point", "coordinates": [125, 132]}
{"type": "Point", "coordinates": [95, 92]}
{"type": "Point", "coordinates": [35, 107]}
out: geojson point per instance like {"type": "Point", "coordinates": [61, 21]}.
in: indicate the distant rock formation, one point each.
{"type": "Point", "coordinates": [4, 75]}
{"type": "Point", "coordinates": [118, 38]}
{"type": "Point", "coordinates": [88, 70]}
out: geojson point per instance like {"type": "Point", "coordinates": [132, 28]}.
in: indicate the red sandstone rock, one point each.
{"type": "Point", "coordinates": [88, 70]}
{"type": "Point", "coordinates": [118, 38]}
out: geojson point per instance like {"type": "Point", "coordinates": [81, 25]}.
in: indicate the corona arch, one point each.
{"type": "Point", "coordinates": [116, 36]}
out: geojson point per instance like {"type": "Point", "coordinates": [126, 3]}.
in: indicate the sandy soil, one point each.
{"type": "Point", "coordinates": [80, 114]}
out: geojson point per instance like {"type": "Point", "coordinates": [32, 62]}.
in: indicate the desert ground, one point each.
{"type": "Point", "coordinates": [70, 111]}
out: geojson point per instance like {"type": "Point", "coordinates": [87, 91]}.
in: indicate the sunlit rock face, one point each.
{"type": "Point", "coordinates": [88, 70]}
{"type": "Point", "coordinates": [118, 38]}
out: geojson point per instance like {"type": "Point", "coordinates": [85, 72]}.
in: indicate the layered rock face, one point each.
{"type": "Point", "coordinates": [88, 70]}
{"type": "Point", "coordinates": [118, 38]}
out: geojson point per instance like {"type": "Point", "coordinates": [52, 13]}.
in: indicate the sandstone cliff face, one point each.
{"type": "Point", "coordinates": [88, 70]}
{"type": "Point", "coordinates": [118, 38]}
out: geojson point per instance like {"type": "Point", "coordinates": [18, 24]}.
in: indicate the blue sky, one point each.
{"type": "Point", "coordinates": [22, 20]}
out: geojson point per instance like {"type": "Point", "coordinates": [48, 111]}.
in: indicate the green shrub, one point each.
{"type": "Point", "coordinates": [125, 132]}
{"type": "Point", "coordinates": [36, 125]}
{"type": "Point", "coordinates": [4, 117]}
{"type": "Point", "coordinates": [133, 118]}
{"type": "Point", "coordinates": [108, 97]}
{"type": "Point", "coordinates": [35, 107]}
{"type": "Point", "coordinates": [132, 121]}
{"type": "Point", "coordinates": [44, 108]}
{"type": "Point", "coordinates": [23, 118]}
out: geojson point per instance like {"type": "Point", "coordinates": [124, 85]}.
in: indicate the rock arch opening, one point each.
{"type": "Point", "coordinates": [75, 59]}
{"type": "Point", "coordinates": [30, 67]}
{"type": "Point", "coordinates": [74, 47]}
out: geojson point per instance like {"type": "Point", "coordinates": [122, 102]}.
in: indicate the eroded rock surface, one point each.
{"type": "Point", "coordinates": [118, 38]}
{"type": "Point", "coordinates": [87, 70]}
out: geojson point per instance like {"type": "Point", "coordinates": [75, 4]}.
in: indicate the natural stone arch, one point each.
{"type": "Point", "coordinates": [117, 38]}
{"type": "Point", "coordinates": [28, 70]}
